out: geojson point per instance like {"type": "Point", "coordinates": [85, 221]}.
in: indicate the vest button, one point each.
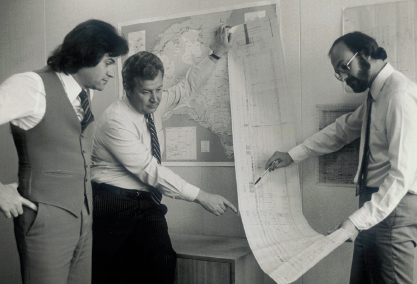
{"type": "Point", "coordinates": [86, 180]}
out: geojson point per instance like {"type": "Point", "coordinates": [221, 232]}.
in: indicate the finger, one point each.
{"type": "Point", "coordinates": [230, 38]}
{"type": "Point", "coordinates": [226, 37]}
{"type": "Point", "coordinates": [7, 214]}
{"type": "Point", "coordinates": [19, 209]}
{"type": "Point", "coordinates": [222, 203]}
{"type": "Point", "coordinates": [219, 29]}
{"type": "Point", "coordinates": [334, 228]}
{"type": "Point", "coordinates": [270, 161]}
{"type": "Point", "coordinates": [277, 164]}
{"type": "Point", "coordinates": [29, 204]}
{"type": "Point", "coordinates": [270, 164]}
{"type": "Point", "coordinates": [230, 205]}
{"type": "Point", "coordinates": [14, 212]}
{"type": "Point", "coordinates": [13, 185]}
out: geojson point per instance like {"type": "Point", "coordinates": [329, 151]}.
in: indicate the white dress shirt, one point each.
{"type": "Point", "coordinates": [122, 144]}
{"type": "Point", "coordinates": [23, 102]}
{"type": "Point", "coordinates": [393, 144]}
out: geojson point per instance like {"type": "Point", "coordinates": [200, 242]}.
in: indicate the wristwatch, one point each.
{"type": "Point", "coordinates": [214, 56]}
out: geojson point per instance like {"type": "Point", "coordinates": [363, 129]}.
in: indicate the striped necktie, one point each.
{"type": "Point", "coordinates": [88, 115]}
{"type": "Point", "coordinates": [363, 173]}
{"type": "Point", "coordinates": [156, 152]}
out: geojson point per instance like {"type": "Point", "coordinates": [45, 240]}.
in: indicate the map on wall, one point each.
{"type": "Point", "coordinates": [198, 132]}
{"type": "Point", "coordinates": [338, 168]}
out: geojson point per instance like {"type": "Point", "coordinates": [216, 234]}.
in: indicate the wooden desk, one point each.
{"type": "Point", "coordinates": [215, 260]}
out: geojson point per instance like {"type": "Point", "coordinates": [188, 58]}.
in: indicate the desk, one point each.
{"type": "Point", "coordinates": [215, 260]}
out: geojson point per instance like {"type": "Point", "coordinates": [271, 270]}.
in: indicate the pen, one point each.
{"type": "Point", "coordinates": [273, 163]}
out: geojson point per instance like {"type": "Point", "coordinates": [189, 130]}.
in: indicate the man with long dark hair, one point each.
{"type": "Point", "coordinates": [384, 228]}
{"type": "Point", "coordinates": [50, 118]}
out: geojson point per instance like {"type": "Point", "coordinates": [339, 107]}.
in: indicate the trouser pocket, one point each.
{"type": "Point", "coordinates": [30, 218]}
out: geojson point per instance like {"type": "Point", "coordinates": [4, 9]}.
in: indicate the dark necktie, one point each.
{"type": "Point", "coordinates": [363, 173]}
{"type": "Point", "coordinates": [156, 152]}
{"type": "Point", "coordinates": [88, 115]}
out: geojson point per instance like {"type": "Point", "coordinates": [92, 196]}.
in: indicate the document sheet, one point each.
{"type": "Point", "coordinates": [282, 241]}
{"type": "Point", "coordinates": [393, 25]}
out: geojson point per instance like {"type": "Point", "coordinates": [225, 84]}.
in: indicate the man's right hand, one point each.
{"type": "Point", "coordinates": [11, 202]}
{"type": "Point", "coordinates": [222, 40]}
{"type": "Point", "coordinates": [281, 159]}
{"type": "Point", "coordinates": [214, 203]}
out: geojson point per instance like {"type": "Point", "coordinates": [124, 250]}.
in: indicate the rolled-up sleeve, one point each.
{"type": "Point", "coordinates": [343, 131]}
{"type": "Point", "coordinates": [22, 100]}
{"type": "Point", "coordinates": [195, 78]}
{"type": "Point", "coordinates": [126, 147]}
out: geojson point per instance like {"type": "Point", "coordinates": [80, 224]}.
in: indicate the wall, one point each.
{"type": "Point", "coordinates": [31, 29]}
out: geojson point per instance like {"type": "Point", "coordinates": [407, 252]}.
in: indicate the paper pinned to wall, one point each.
{"type": "Point", "coordinates": [393, 25]}
{"type": "Point", "coordinates": [280, 237]}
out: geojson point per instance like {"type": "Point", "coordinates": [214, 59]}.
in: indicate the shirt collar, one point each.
{"type": "Point", "coordinates": [140, 116]}
{"type": "Point", "coordinates": [380, 80]}
{"type": "Point", "coordinates": [71, 86]}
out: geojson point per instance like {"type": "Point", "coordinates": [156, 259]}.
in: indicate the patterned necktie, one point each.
{"type": "Point", "coordinates": [88, 115]}
{"type": "Point", "coordinates": [156, 152]}
{"type": "Point", "coordinates": [363, 173]}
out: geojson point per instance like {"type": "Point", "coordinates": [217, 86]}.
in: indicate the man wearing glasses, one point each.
{"type": "Point", "coordinates": [384, 227]}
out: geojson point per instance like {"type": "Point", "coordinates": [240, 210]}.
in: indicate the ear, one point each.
{"type": "Point", "coordinates": [366, 54]}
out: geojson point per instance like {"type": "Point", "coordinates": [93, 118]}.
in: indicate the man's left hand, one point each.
{"type": "Point", "coordinates": [348, 226]}
{"type": "Point", "coordinates": [222, 40]}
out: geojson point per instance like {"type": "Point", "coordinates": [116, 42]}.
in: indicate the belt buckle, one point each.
{"type": "Point", "coordinates": [137, 194]}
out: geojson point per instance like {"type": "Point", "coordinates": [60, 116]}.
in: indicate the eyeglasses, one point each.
{"type": "Point", "coordinates": [343, 69]}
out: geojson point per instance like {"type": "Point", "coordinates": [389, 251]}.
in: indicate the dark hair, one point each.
{"type": "Point", "coordinates": [362, 43]}
{"type": "Point", "coordinates": [86, 45]}
{"type": "Point", "coordinates": [144, 65]}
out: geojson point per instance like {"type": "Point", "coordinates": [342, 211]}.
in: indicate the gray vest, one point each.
{"type": "Point", "coordinates": [54, 156]}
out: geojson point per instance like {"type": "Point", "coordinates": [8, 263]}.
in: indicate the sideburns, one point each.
{"type": "Point", "coordinates": [365, 66]}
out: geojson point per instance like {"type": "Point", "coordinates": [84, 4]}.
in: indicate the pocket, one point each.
{"type": "Point", "coordinates": [96, 191]}
{"type": "Point", "coordinates": [31, 218]}
{"type": "Point", "coordinates": [163, 208]}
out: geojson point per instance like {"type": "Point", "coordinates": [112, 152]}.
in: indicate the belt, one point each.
{"type": "Point", "coordinates": [132, 193]}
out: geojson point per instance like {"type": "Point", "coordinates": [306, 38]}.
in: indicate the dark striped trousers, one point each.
{"type": "Point", "coordinates": [130, 240]}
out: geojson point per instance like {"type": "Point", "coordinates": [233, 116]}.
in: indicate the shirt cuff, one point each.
{"type": "Point", "coordinates": [298, 154]}
{"type": "Point", "coordinates": [190, 192]}
{"type": "Point", "coordinates": [361, 220]}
